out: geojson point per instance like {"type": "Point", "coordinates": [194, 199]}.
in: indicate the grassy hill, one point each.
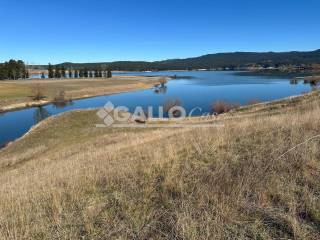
{"type": "Point", "coordinates": [258, 177]}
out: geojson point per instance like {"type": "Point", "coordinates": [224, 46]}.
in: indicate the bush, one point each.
{"type": "Point", "coordinates": [171, 103]}
{"type": "Point", "coordinates": [163, 81]}
{"type": "Point", "coordinates": [223, 107]}
{"type": "Point", "coordinates": [60, 100]}
{"type": "Point", "coordinates": [38, 92]}
{"type": "Point", "coordinates": [253, 101]}
{"type": "Point", "coordinates": [60, 96]}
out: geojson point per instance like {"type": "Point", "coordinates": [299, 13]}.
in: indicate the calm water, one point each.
{"type": "Point", "coordinates": [199, 91]}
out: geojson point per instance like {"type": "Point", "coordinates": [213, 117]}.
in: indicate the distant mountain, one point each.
{"type": "Point", "coordinates": [211, 61]}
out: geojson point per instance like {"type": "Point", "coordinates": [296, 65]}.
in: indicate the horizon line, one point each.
{"type": "Point", "coordinates": [167, 59]}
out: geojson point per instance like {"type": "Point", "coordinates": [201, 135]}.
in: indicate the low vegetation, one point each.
{"type": "Point", "coordinates": [254, 101]}
{"type": "Point", "coordinates": [61, 97]}
{"type": "Point", "coordinates": [255, 178]}
{"type": "Point", "coordinates": [21, 93]}
{"type": "Point", "coordinates": [223, 107]}
{"type": "Point", "coordinates": [169, 106]}
{"type": "Point", "coordinates": [163, 81]}
{"type": "Point", "coordinates": [38, 92]}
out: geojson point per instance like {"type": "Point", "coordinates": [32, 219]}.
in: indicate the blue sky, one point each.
{"type": "Point", "coordinates": [96, 30]}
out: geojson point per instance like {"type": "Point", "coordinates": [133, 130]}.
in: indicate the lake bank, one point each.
{"type": "Point", "coordinates": [17, 94]}
{"type": "Point", "coordinates": [66, 172]}
{"type": "Point", "coordinates": [195, 90]}
{"type": "Point", "coordinates": [246, 111]}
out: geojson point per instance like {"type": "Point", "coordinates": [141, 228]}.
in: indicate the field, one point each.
{"type": "Point", "coordinates": [18, 94]}
{"type": "Point", "coordinates": [258, 177]}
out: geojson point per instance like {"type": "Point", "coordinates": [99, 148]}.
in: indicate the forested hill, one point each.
{"type": "Point", "coordinates": [243, 59]}
{"type": "Point", "coordinates": [212, 61]}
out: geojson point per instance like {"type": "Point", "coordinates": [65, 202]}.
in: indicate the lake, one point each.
{"type": "Point", "coordinates": [194, 89]}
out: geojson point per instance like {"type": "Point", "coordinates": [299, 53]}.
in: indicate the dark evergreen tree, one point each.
{"type": "Point", "coordinates": [76, 74]}
{"type": "Point", "coordinates": [57, 73]}
{"type": "Point", "coordinates": [85, 73]}
{"type": "Point", "coordinates": [96, 73]}
{"type": "Point", "coordinates": [27, 74]}
{"type": "Point", "coordinates": [100, 74]}
{"type": "Point", "coordinates": [50, 71]}
{"type": "Point", "coordinates": [13, 70]}
{"type": "Point", "coordinates": [109, 73]}
{"type": "Point", "coordinates": [70, 73]}
{"type": "Point", "coordinates": [3, 73]}
{"type": "Point", "coordinates": [81, 73]}
{"type": "Point", "coordinates": [63, 72]}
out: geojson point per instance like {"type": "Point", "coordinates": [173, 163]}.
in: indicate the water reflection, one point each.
{"type": "Point", "coordinates": [161, 89]}
{"type": "Point", "coordinates": [314, 84]}
{"type": "Point", "coordinates": [294, 81]}
{"type": "Point", "coordinates": [203, 89]}
{"type": "Point", "coordinates": [62, 104]}
{"type": "Point", "coordinates": [40, 114]}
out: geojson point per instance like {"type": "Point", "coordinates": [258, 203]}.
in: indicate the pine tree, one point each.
{"type": "Point", "coordinates": [63, 72]}
{"type": "Point", "coordinates": [70, 73]}
{"type": "Point", "coordinates": [100, 74]}
{"type": "Point", "coordinates": [50, 71]}
{"type": "Point", "coordinates": [81, 73]}
{"type": "Point", "coordinates": [109, 73]}
{"type": "Point", "coordinates": [13, 70]}
{"type": "Point", "coordinates": [96, 73]}
{"type": "Point", "coordinates": [57, 73]}
{"type": "Point", "coordinates": [85, 73]}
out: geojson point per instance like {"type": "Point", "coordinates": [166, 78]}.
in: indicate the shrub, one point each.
{"type": "Point", "coordinates": [253, 101]}
{"type": "Point", "coordinates": [223, 107]}
{"type": "Point", "coordinates": [163, 81]}
{"type": "Point", "coordinates": [60, 99]}
{"type": "Point", "coordinates": [60, 96]}
{"type": "Point", "coordinates": [169, 104]}
{"type": "Point", "coordinates": [38, 92]}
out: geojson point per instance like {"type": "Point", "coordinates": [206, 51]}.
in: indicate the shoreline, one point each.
{"type": "Point", "coordinates": [31, 104]}
{"type": "Point", "coordinates": [263, 106]}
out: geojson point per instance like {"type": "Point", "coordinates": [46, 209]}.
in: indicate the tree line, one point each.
{"type": "Point", "coordinates": [13, 70]}
{"type": "Point", "coordinates": [61, 72]}
{"type": "Point", "coordinates": [219, 61]}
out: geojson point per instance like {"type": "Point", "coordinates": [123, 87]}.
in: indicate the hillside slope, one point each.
{"type": "Point", "coordinates": [209, 61]}
{"type": "Point", "coordinates": [251, 178]}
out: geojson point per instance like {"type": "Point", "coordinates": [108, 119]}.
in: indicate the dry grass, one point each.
{"type": "Point", "coordinates": [38, 92]}
{"type": "Point", "coordinates": [223, 107]}
{"type": "Point", "coordinates": [163, 81]}
{"type": "Point", "coordinates": [70, 180]}
{"type": "Point", "coordinates": [18, 94]}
